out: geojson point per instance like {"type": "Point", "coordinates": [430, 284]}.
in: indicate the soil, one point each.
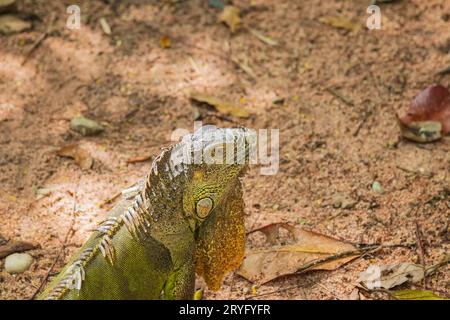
{"type": "Point", "coordinates": [333, 94]}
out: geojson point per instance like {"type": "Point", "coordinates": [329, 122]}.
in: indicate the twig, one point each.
{"type": "Point", "coordinates": [318, 262]}
{"type": "Point", "coordinates": [41, 38]}
{"type": "Point", "coordinates": [419, 244]}
{"type": "Point", "coordinates": [403, 245]}
{"type": "Point", "coordinates": [361, 123]}
{"type": "Point", "coordinates": [271, 292]}
{"type": "Point", "coordinates": [15, 246]}
{"type": "Point", "coordinates": [110, 199]}
{"type": "Point", "coordinates": [340, 97]}
{"type": "Point", "coordinates": [425, 174]}
{"type": "Point", "coordinates": [139, 159]}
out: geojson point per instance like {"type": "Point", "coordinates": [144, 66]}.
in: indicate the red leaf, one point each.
{"type": "Point", "coordinates": [432, 104]}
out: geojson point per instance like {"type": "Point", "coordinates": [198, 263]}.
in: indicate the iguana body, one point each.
{"type": "Point", "coordinates": [185, 217]}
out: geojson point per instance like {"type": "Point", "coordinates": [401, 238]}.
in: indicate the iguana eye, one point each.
{"type": "Point", "coordinates": [204, 207]}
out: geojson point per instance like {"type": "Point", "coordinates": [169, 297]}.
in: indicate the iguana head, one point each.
{"type": "Point", "coordinates": [212, 199]}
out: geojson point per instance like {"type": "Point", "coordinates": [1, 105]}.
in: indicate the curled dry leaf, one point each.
{"type": "Point", "coordinates": [390, 276]}
{"type": "Point", "coordinates": [311, 251]}
{"type": "Point", "coordinates": [80, 155]}
{"type": "Point", "coordinates": [230, 15]}
{"type": "Point", "coordinates": [428, 116]}
{"type": "Point", "coordinates": [225, 107]}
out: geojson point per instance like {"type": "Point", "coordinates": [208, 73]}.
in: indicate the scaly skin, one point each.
{"type": "Point", "coordinates": [184, 218]}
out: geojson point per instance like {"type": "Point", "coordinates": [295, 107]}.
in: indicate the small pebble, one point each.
{"type": "Point", "coordinates": [18, 263]}
{"type": "Point", "coordinates": [343, 201]}
{"type": "Point", "coordinates": [85, 126]}
{"type": "Point", "coordinates": [376, 187]}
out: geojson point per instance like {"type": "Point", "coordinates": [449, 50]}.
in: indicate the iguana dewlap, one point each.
{"type": "Point", "coordinates": [186, 217]}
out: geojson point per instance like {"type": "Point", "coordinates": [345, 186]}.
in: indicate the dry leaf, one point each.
{"type": "Point", "coordinates": [245, 67]}
{"type": "Point", "coordinates": [225, 107]}
{"type": "Point", "coordinates": [262, 37]}
{"type": "Point", "coordinates": [428, 116]}
{"type": "Point", "coordinates": [390, 276]}
{"type": "Point", "coordinates": [105, 26]}
{"type": "Point", "coordinates": [15, 246]}
{"type": "Point", "coordinates": [80, 155]}
{"type": "Point", "coordinates": [230, 15]}
{"type": "Point", "coordinates": [340, 23]}
{"type": "Point", "coordinates": [165, 42]}
{"type": "Point", "coordinates": [416, 295]}
{"type": "Point", "coordinates": [264, 265]}
{"type": "Point", "coordinates": [272, 231]}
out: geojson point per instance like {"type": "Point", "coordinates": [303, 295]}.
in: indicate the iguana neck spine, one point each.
{"type": "Point", "coordinates": [137, 218]}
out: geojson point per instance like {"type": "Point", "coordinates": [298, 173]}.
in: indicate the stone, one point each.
{"type": "Point", "coordinates": [10, 24]}
{"type": "Point", "coordinates": [18, 263]}
{"type": "Point", "coordinates": [340, 200]}
{"type": "Point", "coordinates": [377, 187]}
{"type": "Point", "coordinates": [85, 126]}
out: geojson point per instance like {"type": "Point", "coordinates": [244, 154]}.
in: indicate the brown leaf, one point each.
{"type": "Point", "coordinates": [80, 155]}
{"type": "Point", "coordinates": [230, 15]}
{"type": "Point", "coordinates": [225, 107]}
{"type": "Point", "coordinates": [428, 116]}
{"type": "Point", "coordinates": [15, 246]}
{"type": "Point", "coordinates": [312, 251]}
{"type": "Point", "coordinates": [272, 231]}
{"type": "Point", "coordinates": [340, 23]}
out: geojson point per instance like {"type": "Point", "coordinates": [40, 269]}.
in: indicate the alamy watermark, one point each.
{"type": "Point", "coordinates": [371, 277]}
{"type": "Point", "coordinates": [374, 20]}
{"type": "Point", "coordinates": [74, 20]}
{"type": "Point", "coordinates": [211, 145]}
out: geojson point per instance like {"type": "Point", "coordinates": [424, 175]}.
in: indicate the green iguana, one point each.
{"type": "Point", "coordinates": [186, 217]}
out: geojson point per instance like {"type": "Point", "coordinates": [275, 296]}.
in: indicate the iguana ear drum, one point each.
{"type": "Point", "coordinates": [204, 207]}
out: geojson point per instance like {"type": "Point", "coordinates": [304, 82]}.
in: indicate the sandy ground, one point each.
{"type": "Point", "coordinates": [140, 93]}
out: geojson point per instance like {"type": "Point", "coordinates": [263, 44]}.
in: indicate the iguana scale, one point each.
{"type": "Point", "coordinates": [187, 216]}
